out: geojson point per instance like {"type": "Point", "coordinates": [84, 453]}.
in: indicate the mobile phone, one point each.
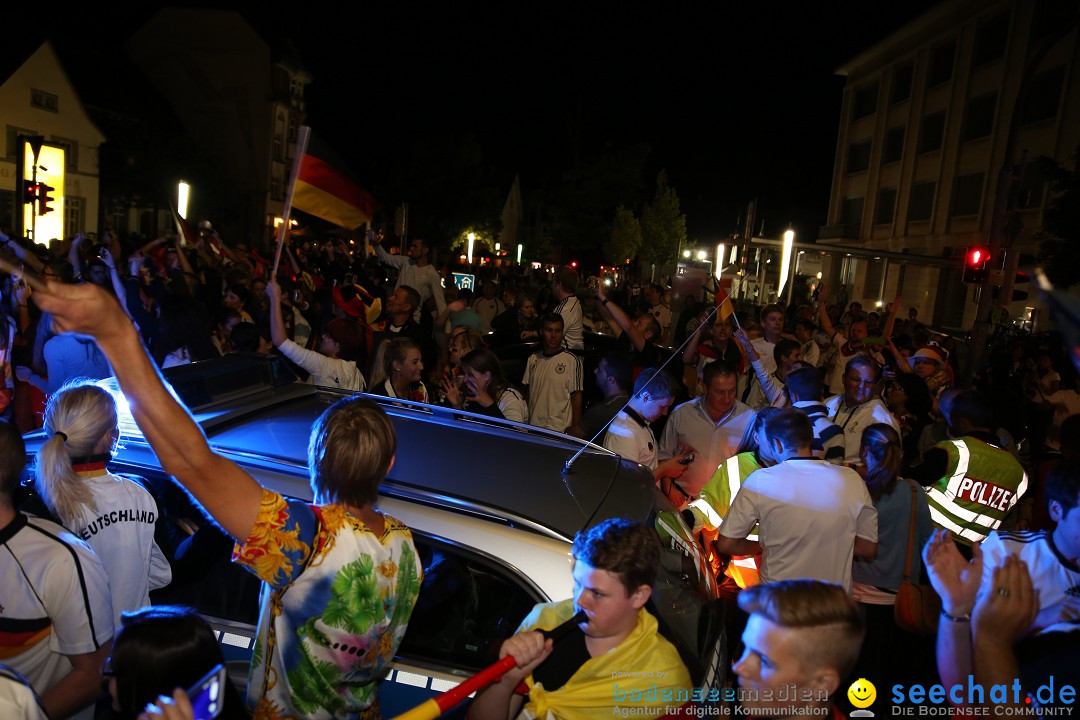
{"type": "Point", "coordinates": [207, 695]}
{"type": "Point", "coordinates": [687, 460]}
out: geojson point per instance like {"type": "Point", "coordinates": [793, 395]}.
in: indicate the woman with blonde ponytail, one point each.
{"type": "Point", "coordinates": [114, 515]}
{"type": "Point", "coordinates": [888, 650]}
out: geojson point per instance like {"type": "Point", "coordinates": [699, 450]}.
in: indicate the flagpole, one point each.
{"type": "Point", "coordinates": [298, 158]}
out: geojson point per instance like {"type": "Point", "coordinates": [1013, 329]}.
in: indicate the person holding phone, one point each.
{"type": "Point", "coordinates": [163, 648]}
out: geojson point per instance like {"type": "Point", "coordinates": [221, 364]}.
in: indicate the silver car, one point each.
{"type": "Point", "coordinates": [492, 505]}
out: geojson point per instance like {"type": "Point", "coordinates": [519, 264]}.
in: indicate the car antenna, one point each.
{"type": "Point", "coordinates": [568, 467]}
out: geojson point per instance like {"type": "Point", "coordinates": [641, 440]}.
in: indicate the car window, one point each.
{"type": "Point", "coordinates": [467, 606]}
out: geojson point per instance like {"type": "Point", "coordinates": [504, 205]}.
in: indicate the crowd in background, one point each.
{"type": "Point", "coordinates": [874, 399]}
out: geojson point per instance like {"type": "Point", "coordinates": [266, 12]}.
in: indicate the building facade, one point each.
{"type": "Point", "coordinates": [38, 99]}
{"type": "Point", "coordinates": [930, 117]}
{"type": "Point", "coordinates": [240, 101]}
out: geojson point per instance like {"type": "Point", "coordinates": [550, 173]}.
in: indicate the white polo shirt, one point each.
{"type": "Point", "coordinates": [713, 442]}
{"type": "Point", "coordinates": [630, 436]}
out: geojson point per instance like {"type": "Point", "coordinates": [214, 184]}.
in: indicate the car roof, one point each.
{"type": "Point", "coordinates": [255, 408]}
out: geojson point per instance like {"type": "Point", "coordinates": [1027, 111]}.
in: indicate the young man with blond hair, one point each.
{"type": "Point", "coordinates": [804, 634]}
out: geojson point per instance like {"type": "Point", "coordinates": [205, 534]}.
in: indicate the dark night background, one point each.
{"type": "Point", "coordinates": [734, 101]}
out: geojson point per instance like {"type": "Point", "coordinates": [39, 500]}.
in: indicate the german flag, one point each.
{"type": "Point", "coordinates": [723, 302]}
{"type": "Point", "coordinates": [324, 189]}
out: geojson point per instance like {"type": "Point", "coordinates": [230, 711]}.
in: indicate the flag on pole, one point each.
{"type": "Point", "coordinates": [324, 188]}
{"type": "Point", "coordinates": [182, 228]}
{"type": "Point", "coordinates": [723, 304]}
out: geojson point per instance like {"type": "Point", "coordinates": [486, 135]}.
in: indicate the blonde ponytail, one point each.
{"type": "Point", "coordinates": [77, 417]}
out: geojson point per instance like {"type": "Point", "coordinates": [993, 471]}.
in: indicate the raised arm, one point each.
{"type": "Point", "coordinates": [278, 336]}
{"type": "Point", "coordinates": [610, 310]}
{"type": "Point", "coordinates": [26, 258]}
{"type": "Point", "coordinates": [689, 355]}
{"type": "Point", "coordinates": [73, 254]}
{"type": "Point", "coordinates": [823, 312]}
{"type": "Point", "coordinates": [893, 310]}
{"type": "Point", "coordinates": [229, 495]}
{"type": "Point", "coordinates": [118, 285]}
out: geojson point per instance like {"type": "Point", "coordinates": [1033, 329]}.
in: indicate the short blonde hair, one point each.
{"type": "Point", "coordinates": [350, 451]}
{"type": "Point", "coordinates": [833, 620]}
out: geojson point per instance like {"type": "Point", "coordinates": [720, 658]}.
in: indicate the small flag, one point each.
{"type": "Point", "coordinates": [182, 228]}
{"type": "Point", "coordinates": [723, 302]}
{"type": "Point", "coordinates": [323, 188]}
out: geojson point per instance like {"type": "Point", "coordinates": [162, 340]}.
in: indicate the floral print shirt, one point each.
{"type": "Point", "coordinates": [335, 602]}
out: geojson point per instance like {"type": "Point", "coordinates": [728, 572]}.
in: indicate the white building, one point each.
{"type": "Point", "coordinates": [38, 99]}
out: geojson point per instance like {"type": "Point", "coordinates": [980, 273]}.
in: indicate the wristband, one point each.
{"type": "Point", "coordinates": [605, 301]}
{"type": "Point", "coordinates": [966, 617]}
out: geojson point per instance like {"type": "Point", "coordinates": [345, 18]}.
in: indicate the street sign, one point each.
{"type": "Point", "coordinates": [464, 281]}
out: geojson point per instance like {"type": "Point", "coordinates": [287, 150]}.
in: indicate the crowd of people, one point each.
{"type": "Point", "coordinates": [825, 455]}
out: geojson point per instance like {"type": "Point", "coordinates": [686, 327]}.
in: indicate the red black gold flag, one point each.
{"type": "Point", "coordinates": [324, 188]}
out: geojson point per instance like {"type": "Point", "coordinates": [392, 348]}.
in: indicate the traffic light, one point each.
{"type": "Point", "coordinates": [45, 198]}
{"type": "Point", "coordinates": [975, 265]}
{"type": "Point", "coordinates": [30, 192]}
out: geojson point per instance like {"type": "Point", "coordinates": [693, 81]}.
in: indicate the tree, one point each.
{"type": "Point", "coordinates": [1059, 238]}
{"type": "Point", "coordinates": [663, 226]}
{"type": "Point", "coordinates": [625, 239]}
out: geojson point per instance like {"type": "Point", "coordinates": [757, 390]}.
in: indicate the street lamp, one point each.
{"type": "Point", "coordinates": [520, 246]}
{"type": "Point", "coordinates": [719, 260]}
{"type": "Point", "coordinates": [785, 260]}
{"type": "Point", "coordinates": [472, 239]}
{"type": "Point", "coordinates": [686, 253]}
{"type": "Point", "coordinates": [701, 255]}
{"type": "Point", "coordinates": [183, 194]}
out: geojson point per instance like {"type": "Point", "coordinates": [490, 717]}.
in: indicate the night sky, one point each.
{"type": "Point", "coordinates": [735, 102]}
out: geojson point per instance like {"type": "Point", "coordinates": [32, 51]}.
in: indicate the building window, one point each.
{"type": "Point", "coordinates": [979, 119]}
{"type": "Point", "coordinates": [13, 146]}
{"type": "Point", "coordinates": [921, 203]}
{"type": "Point", "coordinates": [851, 211]}
{"type": "Point", "coordinates": [885, 207]}
{"type": "Point", "coordinates": [275, 187]}
{"type": "Point", "coordinates": [933, 130]}
{"type": "Point", "coordinates": [71, 151]}
{"type": "Point", "coordinates": [1043, 96]}
{"type": "Point", "coordinates": [44, 100]}
{"type": "Point", "coordinates": [858, 158]}
{"type": "Point", "coordinates": [1048, 18]}
{"type": "Point", "coordinates": [292, 129]}
{"type": "Point", "coordinates": [942, 58]}
{"type": "Point", "coordinates": [968, 195]}
{"type": "Point", "coordinates": [901, 82]}
{"type": "Point", "coordinates": [73, 214]}
{"type": "Point", "coordinates": [277, 149]}
{"type": "Point", "coordinates": [991, 38]}
{"type": "Point", "coordinates": [894, 145]}
{"type": "Point", "coordinates": [1032, 187]}
{"type": "Point", "coordinates": [865, 102]}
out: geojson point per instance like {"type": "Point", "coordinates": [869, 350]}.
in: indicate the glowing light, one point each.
{"type": "Point", "coordinates": [701, 255]}
{"type": "Point", "coordinates": [819, 276]}
{"type": "Point", "coordinates": [50, 171]}
{"type": "Point", "coordinates": [686, 253]}
{"type": "Point", "coordinates": [785, 261]}
{"type": "Point", "coordinates": [472, 239]}
{"type": "Point", "coordinates": [520, 248]}
{"type": "Point", "coordinates": [183, 195]}
{"type": "Point", "coordinates": [497, 247]}
{"type": "Point", "coordinates": [607, 282]}
{"type": "Point", "coordinates": [719, 260]}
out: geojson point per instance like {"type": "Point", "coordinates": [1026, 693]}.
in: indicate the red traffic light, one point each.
{"type": "Point", "coordinates": [977, 257]}
{"type": "Point", "coordinates": [573, 264]}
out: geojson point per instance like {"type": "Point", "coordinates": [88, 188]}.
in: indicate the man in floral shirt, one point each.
{"type": "Point", "coordinates": [341, 577]}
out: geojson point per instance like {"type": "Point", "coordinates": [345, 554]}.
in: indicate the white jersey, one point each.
{"type": "Point", "coordinates": [121, 531]}
{"type": "Point", "coordinates": [630, 437]}
{"type": "Point", "coordinates": [55, 598]}
{"type": "Point", "coordinates": [1055, 580]}
{"type": "Point", "coordinates": [551, 381]}
{"type": "Point", "coordinates": [570, 309]}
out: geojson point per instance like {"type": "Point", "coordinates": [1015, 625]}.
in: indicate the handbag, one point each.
{"type": "Point", "coordinates": [917, 606]}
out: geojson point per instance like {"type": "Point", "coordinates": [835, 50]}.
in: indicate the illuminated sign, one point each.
{"type": "Point", "coordinates": [50, 174]}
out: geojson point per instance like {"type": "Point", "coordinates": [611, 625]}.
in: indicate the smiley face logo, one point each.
{"type": "Point", "coordinates": [862, 693]}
